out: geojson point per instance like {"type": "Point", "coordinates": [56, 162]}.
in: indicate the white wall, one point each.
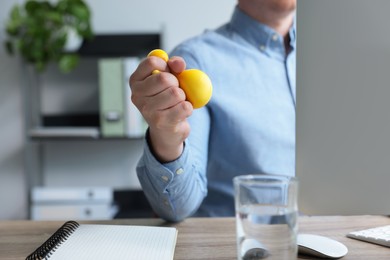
{"type": "Point", "coordinates": [12, 184]}
{"type": "Point", "coordinates": [181, 19]}
{"type": "Point", "coordinates": [343, 107]}
{"type": "Point", "coordinates": [110, 163]}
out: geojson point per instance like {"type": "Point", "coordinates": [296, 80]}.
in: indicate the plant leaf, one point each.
{"type": "Point", "coordinates": [31, 7]}
{"type": "Point", "coordinates": [15, 12]}
{"type": "Point", "coordinates": [9, 47]}
{"type": "Point", "coordinates": [40, 66]}
{"type": "Point", "coordinates": [54, 16]}
{"type": "Point", "coordinates": [12, 28]}
{"type": "Point", "coordinates": [80, 12]}
{"type": "Point", "coordinates": [68, 62]}
{"type": "Point", "coordinates": [37, 31]}
{"type": "Point", "coordinates": [62, 6]}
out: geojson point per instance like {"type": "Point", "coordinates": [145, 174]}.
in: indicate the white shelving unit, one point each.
{"type": "Point", "coordinates": [81, 157]}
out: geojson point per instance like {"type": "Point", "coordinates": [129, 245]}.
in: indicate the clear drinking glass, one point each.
{"type": "Point", "coordinates": [266, 216]}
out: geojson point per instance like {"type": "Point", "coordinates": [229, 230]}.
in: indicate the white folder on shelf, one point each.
{"type": "Point", "coordinates": [134, 122]}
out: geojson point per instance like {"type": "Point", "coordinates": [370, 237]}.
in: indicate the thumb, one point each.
{"type": "Point", "coordinates": [176, 64]}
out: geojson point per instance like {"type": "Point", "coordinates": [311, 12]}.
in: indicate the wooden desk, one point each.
{"type": "Point", "coordinates": [201, 238]}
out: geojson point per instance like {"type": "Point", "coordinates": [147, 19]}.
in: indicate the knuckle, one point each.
{"type": "Point", "coordinates": [188, 108]}
{"type": "Point", "coordinates": [151, 62]}
{"type": "Point", "coordinates": [165, 79]}
{"type": "Point", "coordinates": [131, 80]}
{"type": "Point", "coordinates": [134, 99]}
{"type": "Point", "coordinates": [175, 93]}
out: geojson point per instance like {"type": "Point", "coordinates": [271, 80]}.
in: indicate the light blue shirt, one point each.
{"type": "Point", "coordinates": [248, 127]}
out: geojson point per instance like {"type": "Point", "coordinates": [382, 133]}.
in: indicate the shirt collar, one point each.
{"type": "Point", "coordinates": [263, 37]}
{"type": "Point", "coordinates": [293, 32]}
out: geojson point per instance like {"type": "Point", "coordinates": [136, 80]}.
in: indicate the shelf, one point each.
{"type": "Point", "coordinates": [120, 45]}
{"type": "Point", "coordinates": [64, 132]}
{"type": "Point", "coordinates": [73, 133]}
{"type": "Point", "coordinates": [50, 125]}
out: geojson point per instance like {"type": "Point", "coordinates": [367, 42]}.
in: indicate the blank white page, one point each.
{"type": "Point", "coordinates": [118, 242]}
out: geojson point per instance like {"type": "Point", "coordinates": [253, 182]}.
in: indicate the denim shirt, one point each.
{"type": "Point", "coordinates": [248, 127]}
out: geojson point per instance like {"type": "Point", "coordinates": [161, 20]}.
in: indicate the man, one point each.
{"type": "Point", "coordinates": [248, 127]}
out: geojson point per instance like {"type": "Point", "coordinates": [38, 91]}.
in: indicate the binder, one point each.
{"type": "Point", "coordinates": [111, 100]}
{"type": "Point", "coordinates": [134, 121]}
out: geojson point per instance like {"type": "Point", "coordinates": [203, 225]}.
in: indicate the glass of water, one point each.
{"type": "Point", "coordinates": [266, 216]}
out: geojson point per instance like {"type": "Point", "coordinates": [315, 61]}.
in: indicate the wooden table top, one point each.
{"type": "Point", "coordinates": [201, 238]}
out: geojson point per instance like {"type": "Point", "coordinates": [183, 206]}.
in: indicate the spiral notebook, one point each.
{"type": "Point", "coordinates": [86, 241]}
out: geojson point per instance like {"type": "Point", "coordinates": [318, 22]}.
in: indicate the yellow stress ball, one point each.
{"type": "Point", "coordinates": [195, 83]}
{"type": "Point", "coordinates": [197, 86]}
{"type": "Point", "coordinates": [159, 53]}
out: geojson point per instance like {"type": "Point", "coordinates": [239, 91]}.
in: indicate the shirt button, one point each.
{"type": "Point", "coordinates": [262, 47]}
{"type": "Point", "coordinates": [179, 171]}
{"type": "Point", "coordinates": [165, 178]}
{"type": "Point", "coordinates": [275, 37]}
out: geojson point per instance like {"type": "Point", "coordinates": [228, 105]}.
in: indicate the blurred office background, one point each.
{"type": "Point", "coordinates": [100, 166]}
{"type": "Point", "coordinates": [85, 163]}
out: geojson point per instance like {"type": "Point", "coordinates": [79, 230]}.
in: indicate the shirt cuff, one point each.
{"type": "Point", "coordinates": [165, 173]}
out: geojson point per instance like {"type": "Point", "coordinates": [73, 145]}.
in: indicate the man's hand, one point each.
{"type": "Point", "coordinates": [163, 105]}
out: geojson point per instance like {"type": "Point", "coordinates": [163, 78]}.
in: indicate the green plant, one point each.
{"type": "Point", "coordinates": [38, 31]}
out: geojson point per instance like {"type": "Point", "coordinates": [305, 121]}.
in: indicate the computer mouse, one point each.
{"type": "Point", "coordinates": [320, 246]}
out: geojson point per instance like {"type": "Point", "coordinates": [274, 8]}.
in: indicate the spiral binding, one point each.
{"type": "Point", "coordinates": [52, 243]}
